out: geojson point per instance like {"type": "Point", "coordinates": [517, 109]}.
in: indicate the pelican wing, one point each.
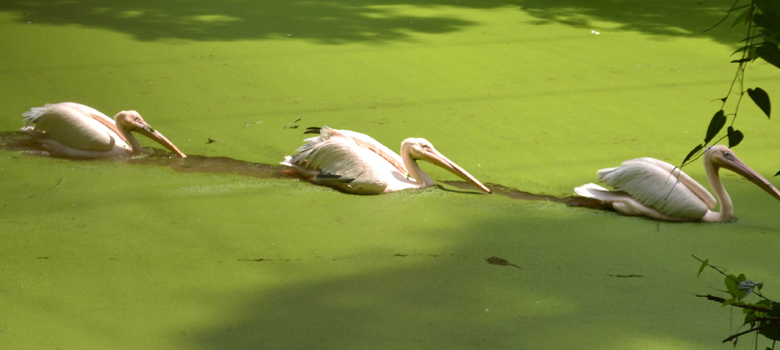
{"type": "Point", "coordinates": [339, 156]}
{"type": "Point", "coordinates": [368, 143]}
{"type": "Point", "coordinates": [650, 182]}
{"type": "Point", "coordinates": [686, 180]}
{"type": "Point", "coordinates": [71, 124]}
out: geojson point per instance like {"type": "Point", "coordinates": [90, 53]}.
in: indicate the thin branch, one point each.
{"type": "Point", "coordinates": [738, 77]}
{"type": "Point", "coordinates": [724, 18]}
{"type": "Point", "coordinates": [743, 64]}
{"type": "Point", "coordinates": [743, 306]}
{"type": "Point", "coordinates": [755, 341]}
{"type": "Point", "coordinates": [748, 331]}
{"type": "Point", "coordinates": [732, 278]}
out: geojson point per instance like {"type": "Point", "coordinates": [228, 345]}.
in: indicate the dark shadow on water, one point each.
{"type": "Point", "coordinates": [507, 192]}
{"type": "Point", "coordinates": [499, 190]}
{"type": "Point", "coordinates": [687, 18]}
{"type": "Point", "coordinates": [18, 141]}
{"type": "Point", "coordinates": [441, 299]}
{"type": "Point", "coordinates": [345, 21]}
{"type": "Point", "coordinates": [331, 22]}
{"type": "Point", "coordinates": [21, 142]}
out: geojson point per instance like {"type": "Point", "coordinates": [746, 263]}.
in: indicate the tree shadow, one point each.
{"type": "Point", "coordinates": [345, 21]}
{"type": "Point", "coordinates": [330, 22]}
{"type": "Point", "coordinates": [416, 307]}
{"type": "Point", "coordinates": [662, 18]}
{"type": "Point", "coordinates": [457, 299]}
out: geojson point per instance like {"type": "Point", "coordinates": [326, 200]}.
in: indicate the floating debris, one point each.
{"type": "Point", "coordinates": [290, 124]}
{"type": "Point", "coordinates": [500, 262]}
{"type": "Point", "coordinates": [248, 123]}
{"type": "Point", "coordinates": [625, 276]}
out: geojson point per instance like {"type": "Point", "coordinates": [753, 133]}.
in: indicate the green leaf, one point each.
{"type": "Point", "coordinates": [735, 137]}
{"type": "Point", "coordinates": [761, 98]}
{"type": "Point", "coordinates": [716, 124]}
{"type": "Point", "coordinates": [733, 7]}
{"type": "Point", "coordinates": [770, 53]}
{"type": "Point", "coordinates": [778, 173]}
{"type": "Point", "coordinates": [750, 38]}
{"type": "Point", "coordinates": [703, 265]}
{"type": "Point", "coordinates": [744, 17]}
{"type": "Point", "coordinates": [775, 310]}
{"type": "Point", "coordinates": [769, 15]}
{"type": "Point", "coordinates": [749, 317]}
{"type": "Point", "coordinates": [729, 301]}
{"type": "Point", "coordinates": [770, 332]}
{"type": "Point", "coordinates": [746, 47]}
{"type": "Point", "coordinates": [732, 285]}
{"type": "Point", "coordinates": [697, 149]}
{"type": "Point", "coordinates": [767, 20]}
{"type": "Point", "coordinates": [764, 21]}
{"type": "Point", "coordinates": [753, 53]}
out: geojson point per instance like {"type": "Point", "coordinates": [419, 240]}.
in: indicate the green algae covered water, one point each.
{"type": "Point", "coordinates": [226, 251]}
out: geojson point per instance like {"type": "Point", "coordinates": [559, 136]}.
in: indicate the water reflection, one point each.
{"type": "Point", "coordinates": [21, 142]}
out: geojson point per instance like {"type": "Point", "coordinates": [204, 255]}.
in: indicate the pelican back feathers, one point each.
{"type": "Point", "coordinates": [345, 160]}
{"type": "Point", "coordinates": [656, 184]}
{"type": "Point", "coordinates": [368, 143]}
{"type": "Point", "coordinates": [67, 125]}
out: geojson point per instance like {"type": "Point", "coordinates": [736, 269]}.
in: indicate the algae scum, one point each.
{"type": "Point", "coordinates": [224, 250]}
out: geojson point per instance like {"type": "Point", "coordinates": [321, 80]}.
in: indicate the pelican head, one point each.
{"type": "Point", "coordinates": [722, 157]}
{"type": "Point", "coordinates": [132, 121]}
{"type": "Point", "coordinates": [421, 149]}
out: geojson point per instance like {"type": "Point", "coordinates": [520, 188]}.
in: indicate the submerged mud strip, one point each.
{"type": "Point", "coordinates": [499, 190]}
{"type": "Point", "coordinates": [21, 142]}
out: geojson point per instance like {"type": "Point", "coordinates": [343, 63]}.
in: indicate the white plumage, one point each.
{"type": "Point", "coordinates": [75, 130]}
{"type": "Point", "coordinates": [356, 163]}
{"type": "Point", "coordinates": [656, 189]}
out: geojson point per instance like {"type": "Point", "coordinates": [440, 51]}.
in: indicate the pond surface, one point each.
{"type": "Point", "coordinates": [227, 250]}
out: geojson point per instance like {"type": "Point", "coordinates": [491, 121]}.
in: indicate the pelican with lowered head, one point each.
{"type": "Point", "coordinates": [77, 131]}
{"type": "Point", "coordinates": [356, 163]}
{"type": "Point", "coordinates": [658, 190]}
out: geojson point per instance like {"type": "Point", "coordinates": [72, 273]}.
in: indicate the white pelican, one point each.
{"type": "Point", "coordinates": [356, 163]}
{"type": "Point", "coordinates": [75, 130]}
{"type": "Point", "coordinates": [656, 189]}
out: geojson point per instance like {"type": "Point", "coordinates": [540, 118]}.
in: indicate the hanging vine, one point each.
{"type": "Point", "coordinates": [762, 19]}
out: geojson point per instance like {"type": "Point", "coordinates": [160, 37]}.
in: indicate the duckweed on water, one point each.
{"type": "Point", "coordinates": [225, 251]}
